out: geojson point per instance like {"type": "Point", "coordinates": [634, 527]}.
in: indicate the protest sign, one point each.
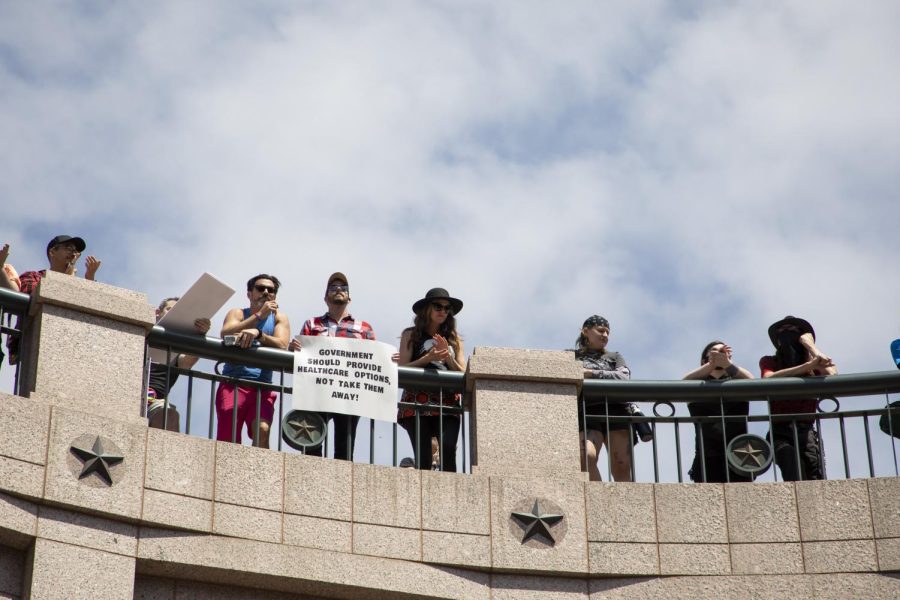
{"type": "Point", "coordinates": [347, 376]}
{"type": "Point", "coordinates": [202, 300]}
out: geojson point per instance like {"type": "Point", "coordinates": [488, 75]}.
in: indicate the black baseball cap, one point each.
{"type": "Point", "coordinates": [62, 239]}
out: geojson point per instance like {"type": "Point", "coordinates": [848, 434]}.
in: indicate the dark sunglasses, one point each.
{"type": "Point", "coordinates": [338, 288]}
{"type": "Point", "coordinates": [442, 307]}
{"type": "Point", "coordinates": [265, 288]}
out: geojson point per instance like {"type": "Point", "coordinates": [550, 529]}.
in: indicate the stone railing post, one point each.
{"type": "Point", "coordinates": [84, 346]}
{"type": "Point", "coordinates": [525, 412]}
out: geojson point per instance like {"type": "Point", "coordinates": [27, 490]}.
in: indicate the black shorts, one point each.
{"type": "Point", "coordinates": [597, 413]}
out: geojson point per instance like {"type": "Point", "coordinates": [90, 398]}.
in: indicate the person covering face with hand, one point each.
{"type": "Point", "coordinates": [260, 324]}
{"type": "Point", "coordinates": [796, 355]}
{"type": "Point", "coordinates": [709, 463]}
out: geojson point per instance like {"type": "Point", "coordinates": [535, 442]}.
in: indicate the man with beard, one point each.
{"type": "Point", "coordinates": [796, 355]}
{"type": "Point", "coordinates": [261, 324]}
{"type": "Point", "coordinates": [337, 322]}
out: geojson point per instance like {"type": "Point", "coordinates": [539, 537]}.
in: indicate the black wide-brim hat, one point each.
{"type": "Point", "coordinates": [801, 324]}
{"type": "Point", "coordinates": [438, 294]}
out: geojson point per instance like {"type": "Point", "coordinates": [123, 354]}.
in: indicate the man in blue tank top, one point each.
{"type": "Point", "coordinates": [261, 324]}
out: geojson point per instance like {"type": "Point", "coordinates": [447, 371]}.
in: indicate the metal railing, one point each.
{"type": "Point", "coordinates": [13, 312]}
{"type": "Point", "coordinates": [852, 438]}
{"type": "Point", "coordinates": [281, 362]}
{"type": "Point", "coordinates": [745, 405]}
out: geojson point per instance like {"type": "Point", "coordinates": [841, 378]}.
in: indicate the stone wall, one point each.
{"type": "Point", "coordinates": [169, 516]}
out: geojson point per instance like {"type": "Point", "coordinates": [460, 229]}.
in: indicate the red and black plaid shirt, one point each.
{"type": "Point", "coordinates": [347, 328]}
{"type": "Point", "coordinates": [29, 280]}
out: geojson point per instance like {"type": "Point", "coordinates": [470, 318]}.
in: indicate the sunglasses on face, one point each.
{"type": "Point", "coordinates": [338, 288]}
{"type": "Point", "coordinates": [69, 247]}
{"type": "Point", "coordinates": [437, 306]}
{"type": "Point", "coordinates": [265, 288]}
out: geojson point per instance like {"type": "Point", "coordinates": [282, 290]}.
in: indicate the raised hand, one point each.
{"type": "Point", "coordinates": [202, 325]}
{"type": "Point", "coordinates": [91, 264]}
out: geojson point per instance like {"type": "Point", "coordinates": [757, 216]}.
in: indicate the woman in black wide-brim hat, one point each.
{"type": "Point", "coordinates": [432, 342]}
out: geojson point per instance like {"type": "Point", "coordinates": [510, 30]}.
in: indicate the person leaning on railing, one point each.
{"type": "Point", "coordinates": [261, 324]}
{"type": "Point", "coordinates": [796, 355]}
{"type": "Point", "coordinates": [161, 378]}
{"type": "Point", "coordinates": [600, 363]}
{"type": "Point", "coordinates": [709, 457]}
{"type": "Point", "coordinates": [433, 343]}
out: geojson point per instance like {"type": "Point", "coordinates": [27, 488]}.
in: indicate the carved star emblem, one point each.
{"type": "Point", "coordinates": [537, 524]}
{"type": "Point", "coordinates": [304, 428]}
{"type": "Point", "coordinates": [96, 460]}
{"type": "Point", "coordinates": [750, 455]}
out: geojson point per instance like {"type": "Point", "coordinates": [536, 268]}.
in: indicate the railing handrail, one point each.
{"type": "Point", "coordinates": [14, 301]}
{"type": "Point", "coordinates": [775, 388]}
{"type": "Point", "coordinates": [275, 359]}
{"type": "Point", "coordinates": [856, 384]}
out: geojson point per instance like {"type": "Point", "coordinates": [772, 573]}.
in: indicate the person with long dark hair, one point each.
{"type": "Point", "coordinates": [796, 355]}
{"type": "Point", "coordinates": [433, 343]}
{"type": "Point", "coordinates": [712, 438]}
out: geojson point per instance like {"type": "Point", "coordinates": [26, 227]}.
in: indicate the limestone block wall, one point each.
{"type": "Point", "coordinates": [169, 516]}
{"type": "Point", "coordinates": [185, 508]}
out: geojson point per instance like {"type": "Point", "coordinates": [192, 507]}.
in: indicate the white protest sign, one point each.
{"type": "Point", "coordinates": [203, 299]}
{"type": "Point", "coordinates": [347, 376]}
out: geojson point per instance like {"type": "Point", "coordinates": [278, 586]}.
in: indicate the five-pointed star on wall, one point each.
{"type": "Point", "coordinates": [748, 454]}
{"type": "Point", "coordinates": [537, 523]}
{"type": "Point", "coordinates": [96, 460]}
{"type": "Point", "coordinates": [304, 427]}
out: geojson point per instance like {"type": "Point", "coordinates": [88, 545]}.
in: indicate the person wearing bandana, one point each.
{"type": "Point", "coordinates": [796, 355]}
{"type": "Point", "coordinates": [600, 363]}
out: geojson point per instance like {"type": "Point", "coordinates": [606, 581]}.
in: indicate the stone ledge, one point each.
{"type": "Point", "coordinates": [527, 366]}
{"type": "Point", "coordinates": [95, 298]}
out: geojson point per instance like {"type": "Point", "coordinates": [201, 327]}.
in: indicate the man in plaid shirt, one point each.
{"type": "Point", "coordinates": [63, 252]}
{"type": "Point", "coordinates": [337, 322]}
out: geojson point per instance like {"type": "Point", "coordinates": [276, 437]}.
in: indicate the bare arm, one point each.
{"type": "Point", "coordinates": [186, 361]}
{"type": "Point", "coordinates": [5, 280]}
{"type": "Point", "coordinates": [236, 323]}
{"type": "Point", "coordinates": [701, 372]}
{"type": "Point", "coordinates": [405, 359]}
{"type": "Point", "coordinates": [458, 362]}
{"type": "Point", "coordinates": [281, 337]}
{"type": "Point", "coordinates": [817, 364]}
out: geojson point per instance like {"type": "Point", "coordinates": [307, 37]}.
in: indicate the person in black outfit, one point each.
{"type": "Point", "coordinates": [712, 438]}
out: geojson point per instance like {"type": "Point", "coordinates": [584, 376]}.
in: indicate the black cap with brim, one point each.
{"type": "Point", "coordinates": [63, 239]}
{"type": "Point", "coordinates": [438, 294]}
{"type": "Point", "coordinates": [801, 324]}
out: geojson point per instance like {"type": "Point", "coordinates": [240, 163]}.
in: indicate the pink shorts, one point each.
{"type": "Point", "coordinates": [246, 410]}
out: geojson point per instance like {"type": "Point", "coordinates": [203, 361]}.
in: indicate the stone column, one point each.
{"type": "Point", "coordinates": [84, 346]}
{"type": "Point", "coordinates": [525, 412]}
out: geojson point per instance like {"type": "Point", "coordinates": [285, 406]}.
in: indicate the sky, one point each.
{"type": "Point", "coordinates": [689, 170]}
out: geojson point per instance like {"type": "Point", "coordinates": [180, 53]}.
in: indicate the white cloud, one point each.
{"type": "Point", "coordinates": [689, 172]}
